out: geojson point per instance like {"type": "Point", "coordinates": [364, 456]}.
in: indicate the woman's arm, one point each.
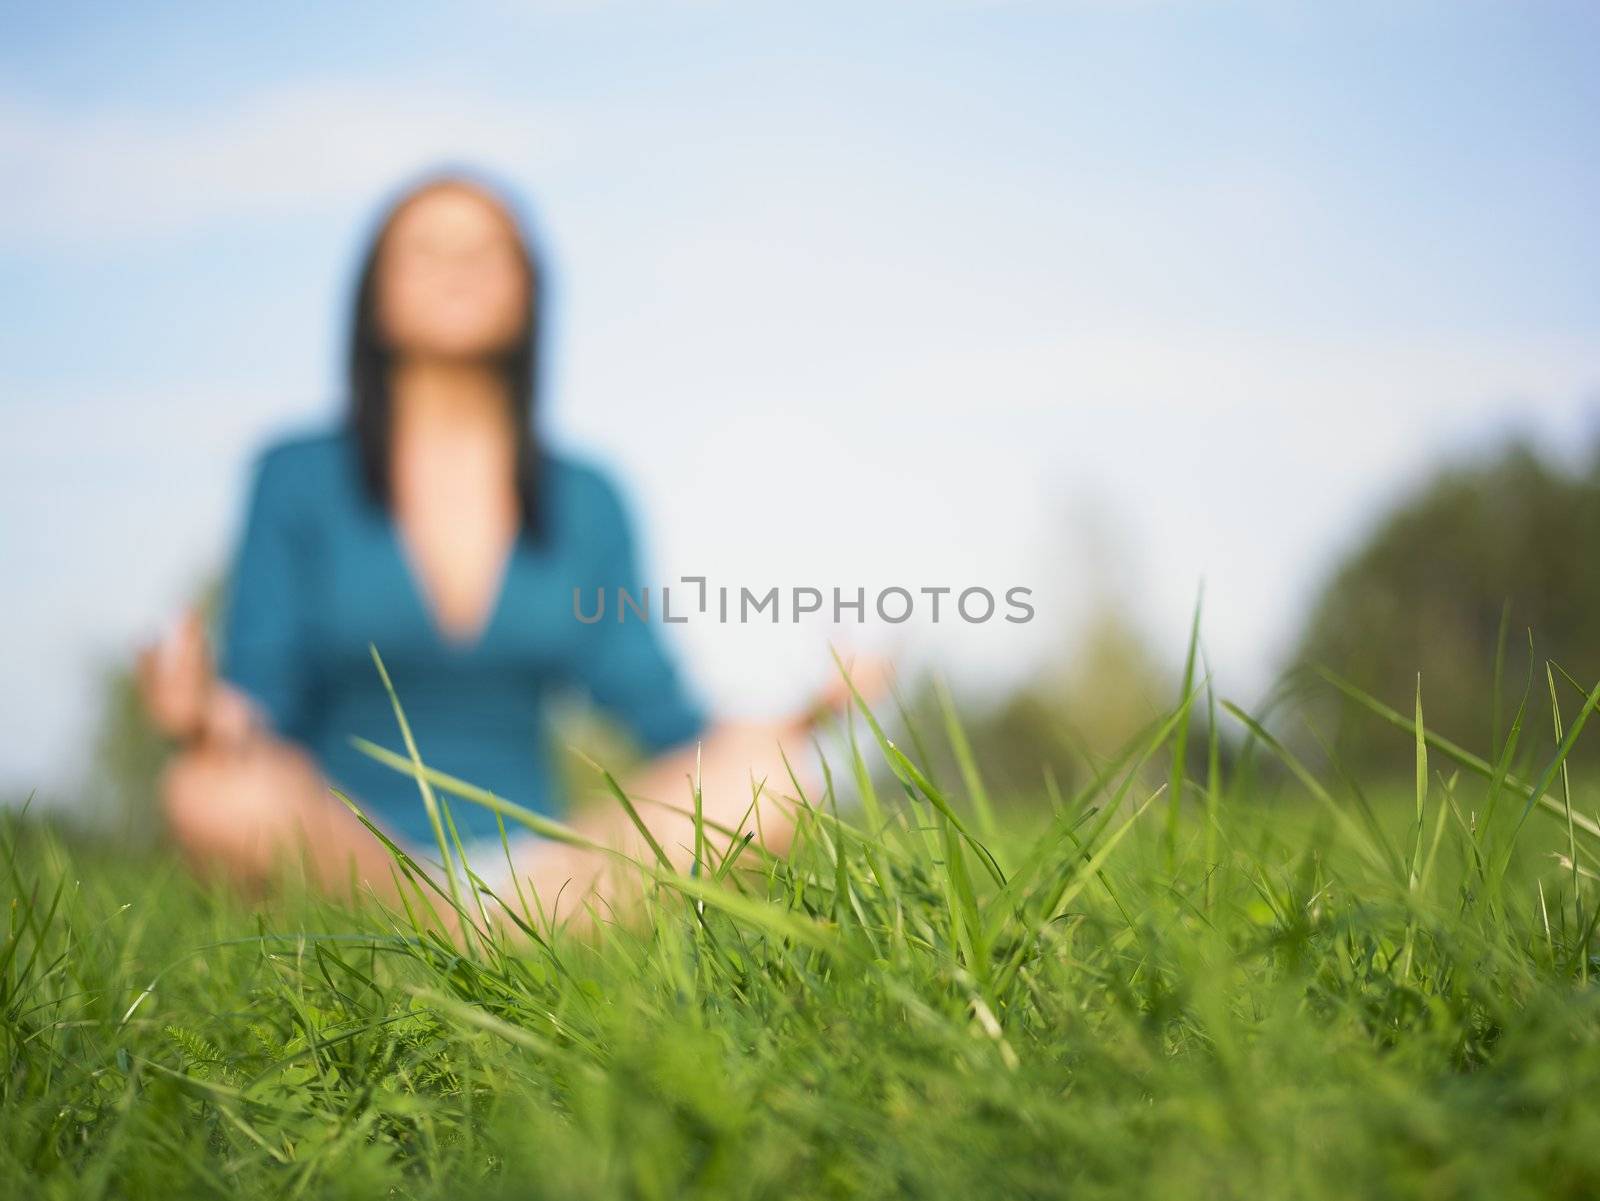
{"type": "Point", "coordinates": [265, 655]}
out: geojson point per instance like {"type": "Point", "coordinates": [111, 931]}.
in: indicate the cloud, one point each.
{"type": "Point", "coordinates": [88, 177]}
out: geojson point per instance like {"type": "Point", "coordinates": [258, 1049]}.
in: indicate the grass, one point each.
{"type": "Point", "coordinates": [1202, 987]}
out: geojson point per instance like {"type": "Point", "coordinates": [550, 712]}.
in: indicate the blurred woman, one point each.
{"type": "Point", "coordinates": [434, 524]}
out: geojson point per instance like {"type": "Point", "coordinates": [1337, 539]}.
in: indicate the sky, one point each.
{"type": "Point", "coordinates": [1101, 299]}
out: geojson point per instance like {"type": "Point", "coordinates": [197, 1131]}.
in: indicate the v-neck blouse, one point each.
{"type": "Point", "coordinates": [320, 573]}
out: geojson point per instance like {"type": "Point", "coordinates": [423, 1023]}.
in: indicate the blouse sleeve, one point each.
{"type": "Point", "coordinates": [623, 664]}
{"type": "Point", "coordinates": [264, 651]}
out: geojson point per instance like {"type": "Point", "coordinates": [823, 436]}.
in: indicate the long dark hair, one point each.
{"type": "Point", "coordinates": [371, 407]}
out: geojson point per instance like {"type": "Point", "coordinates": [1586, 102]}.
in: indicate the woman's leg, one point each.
{"type": "Point", "coordinates": [240, 810]}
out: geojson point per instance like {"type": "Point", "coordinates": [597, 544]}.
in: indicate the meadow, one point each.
{"type": "Point", "coordinates": [1198, 975]}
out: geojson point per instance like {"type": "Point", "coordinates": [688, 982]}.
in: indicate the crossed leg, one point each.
{"type": "Point", "coordinates": [241, 810]}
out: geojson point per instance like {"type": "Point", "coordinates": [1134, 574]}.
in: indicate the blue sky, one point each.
{"type": "Point", "coordinates": [1099, 298]}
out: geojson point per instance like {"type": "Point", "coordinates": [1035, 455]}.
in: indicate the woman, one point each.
{"type": "Point", "coordinates": [434, 525]}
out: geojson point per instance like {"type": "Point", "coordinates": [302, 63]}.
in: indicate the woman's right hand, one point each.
{"type": "Point", "coordinates": [175, 679]}
{"type": "Point", "coordinates": [183, 696]}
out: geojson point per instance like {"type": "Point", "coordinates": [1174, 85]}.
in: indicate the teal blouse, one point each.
{"type": "Point", "coordinates": [320, 573]}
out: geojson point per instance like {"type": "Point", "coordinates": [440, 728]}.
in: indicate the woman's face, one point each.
{"type": "Point", "coordinates": [451, 277]}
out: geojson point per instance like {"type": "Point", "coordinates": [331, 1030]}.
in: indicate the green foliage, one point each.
{"type": "Point", "coordinates": [1484, 549]}
{"type": "Point", "coordinates": [1314, 995]}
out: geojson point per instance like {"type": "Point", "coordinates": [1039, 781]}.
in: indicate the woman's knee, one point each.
{"type": "Point", "coordinates": [212, 796]}
{"type": "Point", "coordinates": [188, 785]}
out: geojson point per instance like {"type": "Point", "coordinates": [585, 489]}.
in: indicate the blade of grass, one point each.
{"type": "Point", "coordinates": [1180, 737]}
{"type": "Point", "coordinates": [429, 802]}
{"type": "Point", "coordinates": [1465, 758]}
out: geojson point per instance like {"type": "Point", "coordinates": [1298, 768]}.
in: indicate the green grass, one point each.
{"type": "Point", "coordinates": [1243, 991]}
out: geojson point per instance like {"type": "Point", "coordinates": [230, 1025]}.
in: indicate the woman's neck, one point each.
{"type": "Point", "coordinates": [437, 397]}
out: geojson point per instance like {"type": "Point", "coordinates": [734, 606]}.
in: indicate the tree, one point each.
{"type": "Point", "coordinates": [1509, 542]}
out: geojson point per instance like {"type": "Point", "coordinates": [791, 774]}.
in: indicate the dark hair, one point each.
{"type": "Point", "coordinates": [370, 413]}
